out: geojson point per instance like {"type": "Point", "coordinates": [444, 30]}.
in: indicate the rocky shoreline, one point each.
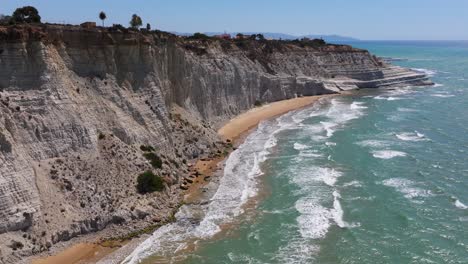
{"type": "Point", "coordinates": [79, 108]}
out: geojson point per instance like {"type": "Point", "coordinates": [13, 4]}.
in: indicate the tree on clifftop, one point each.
{"type": "Point", "coordinates": [4, 20]}
{"type": "Point", "coordinates": [26, 14]}
{"type": "Point", "coordinates": [103, 17]}
{"type": "Point", "coordinates": [136, 22]}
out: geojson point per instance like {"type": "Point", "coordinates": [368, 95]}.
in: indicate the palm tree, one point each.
{"type": "Point", "coordinates": [103, 17]}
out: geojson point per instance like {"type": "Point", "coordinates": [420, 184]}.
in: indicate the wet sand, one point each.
{"type": "Point", "coordinates": [77, 254]}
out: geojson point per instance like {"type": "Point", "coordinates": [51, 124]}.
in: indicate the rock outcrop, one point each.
{"type": "Point", "coordinates": [76, 105]}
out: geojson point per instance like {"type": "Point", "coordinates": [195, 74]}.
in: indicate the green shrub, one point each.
{"type": "Point", "coordinates": [26, 14]}
{"type": "Point", "coordinates": [257, 103]}
{"type": "Point", "coordinates": [147, 182]}
{"type": "Point", "coordinates": [147, 148]}
{"type": "Point", "coordinates": [156, 162]}
{"type": "Point", "coordinates": [101, 136]}
{"type": "Point", "coordinates": [199, 35]}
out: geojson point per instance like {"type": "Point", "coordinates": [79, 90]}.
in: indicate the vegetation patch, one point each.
{"type": "Point", "coordinates": [147, 148]}
{"type": "Point", "coordinates": [148, 182]}
{"type": "Point", "coordinates": [154, 159]}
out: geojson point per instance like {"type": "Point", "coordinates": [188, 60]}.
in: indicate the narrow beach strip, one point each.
{"type": "Point", "coordinates": [237, 126]}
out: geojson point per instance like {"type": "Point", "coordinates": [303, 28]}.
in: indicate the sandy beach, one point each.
{"type": "Point", "coordinates": [250, 119]}
{"type": "Point", "coordinates": [233, 130]}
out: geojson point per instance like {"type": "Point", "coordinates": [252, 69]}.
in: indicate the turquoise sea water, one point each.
{"type": "Point", "coordinates": [380, 176]}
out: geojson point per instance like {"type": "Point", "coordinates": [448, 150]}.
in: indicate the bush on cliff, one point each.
{"type": "Point", "coordinates": [155, 161]}
{"type": "Point", "coordinates": [26, 14]}
{"type": "Point", "coordinates": [148, 182]}
{"type": "Point", "coordinates": [147, 148]}
{"type": "Point", "coordinates": [199, 36]}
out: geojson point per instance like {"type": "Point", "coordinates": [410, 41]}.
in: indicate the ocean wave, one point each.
{"type": "Point", "coordinates": [388, 154]}
{"type": "Point", "coordinates": [373, 143]}
{"type": "Point", "coordinates": [442, 95]}
{"type": "Point", "coordinates": [358, 105]}
{"type": "Point", "coordinates": [310, 154]}
{"type": "Point", "coordinates": [341, 112]}
{"type": "Point", "coordinates": [352, 184]}
{"type": "Point", "coordinates": [460, 205]}
{"type": "Point", "coordinates": [299, 146]}
{"type": "Point", "coordinates": [425, 71]}
{"type": "Point", "coordinates": [308, 176]}
{"type": "Point", "coordinates": [388, 98]}
{"type": "Point", "coordinates": [314, 219]}
{"type": "Point", "coordinates": [298, 250]}
{"type": "Point", "coordinates": [328, 126]}
{"type": "Point", "coordinates": [404, 109]}
{"type": "Point", "coordinates": [411, 136]}
{"type": "Point", "coordinates": [407, 188]}
{"type": "Point", "coordinates": [437, 85]}
{"type": "Point", "coordinates": [336, 115]}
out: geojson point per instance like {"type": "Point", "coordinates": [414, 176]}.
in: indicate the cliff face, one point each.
{"type": "Point", "coordinates": [76, 105]}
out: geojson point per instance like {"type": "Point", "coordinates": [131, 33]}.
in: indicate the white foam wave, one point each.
{"type": "Point", "coordinates": [353, 184]}
{"type": "Point", "coordinates": [373, 143]}
{"type": "Point", "coordinates": [358, 105]}
{"type": "Point", "coordinates": [338, 211]}
{"type": "Point", "coordinates": [403, 109]}
{"type": "Point", "coordinates": [314, 219]}
{"type": "Point", "coordinates": [328, 126]}
{"type": "Point", "coordinates": [411, 136]}
{"type": "Point", "coordinates": [406, 187]}
{"type": "Point", "coordinates": [299, 146]}
{"type": "Point", "coordinates": [460, 205]}
{"type": "Point", "coordinates": [330, 144]}
{"type": "Point", "coordinates": [311, 175]}
{"type": "Point", "coordinates": [442, 95]}
{"type": "Point", "coordinates": [437, 85]}
{"type": "Point", "coordinates": [425, 71]}
{"type": "Point", "coordinates": [388, 154]}
{"type": "Point", "coordinates": [310, 154]}
{"type": "Point", "coordinates": [388, 98]}
{"type": "Point", "coordinates": [298, 250]}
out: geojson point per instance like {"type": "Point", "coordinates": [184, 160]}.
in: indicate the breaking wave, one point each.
{"type": "Point", "coordinates": [388, 154]}
{"type": "Point", "coordinates": [411, 136]}
{"type": "Point", "coordinates": [406, 187]}
{"type": "Point", "coordinates": [425, 71]}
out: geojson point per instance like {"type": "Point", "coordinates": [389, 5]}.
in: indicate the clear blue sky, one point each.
{"type": "Point", "coordinates": [365, 19]}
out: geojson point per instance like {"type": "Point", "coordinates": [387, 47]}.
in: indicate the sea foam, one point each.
{"type": "Point", "coordinates": [460, 205]}
{"type": "Point", "coordinates": [425, 71]}
{"type": "Point", "coordinates": [411, 136]}
{"type": "Point", "coordinates": [388, 154]}
{"type": "Point", "coordinates": [406, 187]}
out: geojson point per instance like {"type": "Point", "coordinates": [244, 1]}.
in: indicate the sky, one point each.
{"type": "Point", "coordinates": [363, 19]}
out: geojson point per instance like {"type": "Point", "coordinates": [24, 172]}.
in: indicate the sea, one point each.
{"type": "Point", "coordinates": [377, 176]}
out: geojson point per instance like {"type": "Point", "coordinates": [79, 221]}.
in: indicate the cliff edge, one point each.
{"type": "Point", "coordinates": [80, 109]}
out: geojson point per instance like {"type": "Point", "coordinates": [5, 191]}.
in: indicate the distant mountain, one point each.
{"type": "Point", "coordinates": [271, 35]}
